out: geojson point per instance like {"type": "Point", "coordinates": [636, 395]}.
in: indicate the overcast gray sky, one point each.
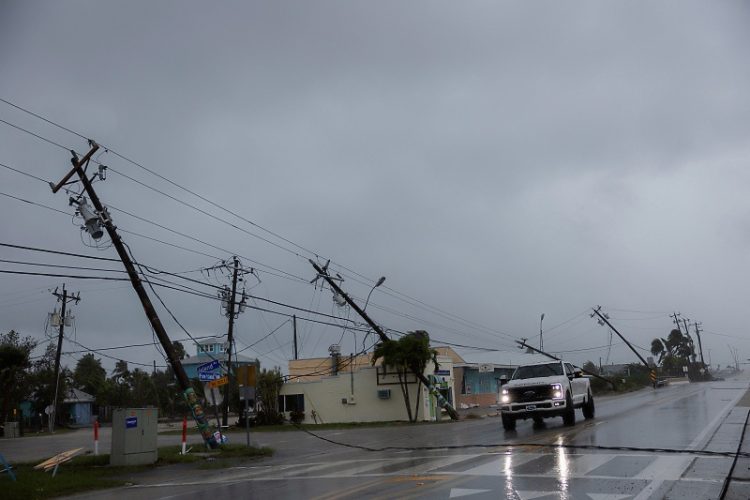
{"type": "Point", "coordinates": [493, 160]}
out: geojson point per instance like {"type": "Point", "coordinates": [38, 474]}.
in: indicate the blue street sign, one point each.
{"type": "Point", "coordinates": [131, 422]}
{"type": "Point", "coordinates": [210, 366]}
{"type": "Point", "coordinates": [208, 376]}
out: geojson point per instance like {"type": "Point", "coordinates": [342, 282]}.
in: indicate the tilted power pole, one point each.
{"type": "Point", "coordinates": [700, 346]}
{"type": "Point", "coordinates": [323, 273]}
{"type": "Point", "coordinates": [604, 319]}
{"type": "Point", "coordinates": [64, 298]}
{"type": "Point", "coordinates": [102, 217]}
{"type": "Point", "coordinates": [523, 343]}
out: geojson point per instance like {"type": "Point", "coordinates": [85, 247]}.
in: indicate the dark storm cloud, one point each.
{"type": "Point", "coordinates": [494, 160]}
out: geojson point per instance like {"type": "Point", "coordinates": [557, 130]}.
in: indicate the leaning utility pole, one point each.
{"type": "Point", "coordinates": [700, 346]}
{"type": "Point", "coordinates": [606, 320]}
{"type": "Point", "coordinates": [323, 273]}
{"type": "Point", "coordinates": [676, 320]}
{"type": "Point", "coordinates": [93, 221]}
{"type": "Point", "coordinates": [64, 298]}
{"type": "Point", "coordinates": [523, 344]}
{"type": "Point", "coordinates": [230, 339]}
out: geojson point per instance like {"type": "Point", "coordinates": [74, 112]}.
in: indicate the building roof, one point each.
{"type": "Point", "coordinates": [78, 396]}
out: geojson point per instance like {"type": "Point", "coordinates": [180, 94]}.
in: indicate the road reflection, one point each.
{"type": "Point", "coordinates": [562, 469]}
{"type": "Point", "coordinates": [510, 491]}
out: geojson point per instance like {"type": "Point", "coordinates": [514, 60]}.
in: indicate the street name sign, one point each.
{"type": "Point", "coordinates": [208, 376]}
{"type": "Point", "coordinates": [218, 382]}
{"type": "Point", "coordinates": [210, 366]}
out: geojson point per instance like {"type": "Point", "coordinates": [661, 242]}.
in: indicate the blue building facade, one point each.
{"type": "Point", "coordinates": [211, 349]}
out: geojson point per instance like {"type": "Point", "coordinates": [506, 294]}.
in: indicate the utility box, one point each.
{"type": "Point", "coordinates": [134, 436]}
{"type": "Point", "coordinates": [11, 430]}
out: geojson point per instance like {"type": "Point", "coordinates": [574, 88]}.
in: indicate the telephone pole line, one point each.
{"type": "Point", "coordinates": [676, 320]}
{"type": "Point", "coordinates": [294, 329]}
{"type": "Point", "coordinates": [700, 346]}
{"type": "Point", "coordinates": [605, 319]}
{"type": "Point", "coordinates": [230, 339]}
{"type": "Point", "coordinates": [93, 222]}
{"type": "Point", "coordinates": [323, 273]}
{"type": "Point", "coordinates": [64, 298]}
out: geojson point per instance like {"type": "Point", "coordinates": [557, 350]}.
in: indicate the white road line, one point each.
{"type": "Point", "coordinates": [705, 435]}
{"type": "Point", "coordinates": [498, 467]}
{"type": "Point", "coordinates": [666, 468]}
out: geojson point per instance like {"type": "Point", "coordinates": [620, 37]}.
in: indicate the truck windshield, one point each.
{"type": "Point", "coordinates": [534, 371]}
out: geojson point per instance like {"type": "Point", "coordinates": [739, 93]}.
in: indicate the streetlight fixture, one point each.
{"type": "Point", "coordinates": [379, 282]}
{"type": "Point", "coordinates": [364, 340]}
{"type": "Point", "coordinates": [541, 340]}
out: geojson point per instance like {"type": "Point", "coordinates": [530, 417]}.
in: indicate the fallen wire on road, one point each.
{"type": "Point", "coordinates": [534, 445]}
{"type": "Point", "coordinates": [728, 479]}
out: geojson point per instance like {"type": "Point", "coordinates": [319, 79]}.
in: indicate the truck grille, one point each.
{"type": "Point", "coordinates": [531, 393]}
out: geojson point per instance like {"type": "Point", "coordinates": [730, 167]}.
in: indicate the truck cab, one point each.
{"type": "Point", "coordinates": [543, 390]}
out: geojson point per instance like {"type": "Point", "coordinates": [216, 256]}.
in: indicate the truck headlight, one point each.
{"type": "Point", "coordinates": [504, 396]}
{"type": "Point", "coordinates": [557, 392]}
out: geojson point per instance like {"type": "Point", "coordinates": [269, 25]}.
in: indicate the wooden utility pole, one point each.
{"type": "Point", "coordinates": [676, 320]}
{"type": "Point", "coordinates": [192, 400]}
{"type": "Point", "coordinates": [294, 329]}
{"type": "Point", "coordinates": [323, 273]}
{"type": "Point", "coordinates": [64, 298]}
{"type": "Point", "coordinates": [230, 340]}
{"type": "Point", "coordinates": [523, 343]}
{"type": "Point", "coordinates": [605, 320]}
{"type": "Point", "coordinates": [700, 346]}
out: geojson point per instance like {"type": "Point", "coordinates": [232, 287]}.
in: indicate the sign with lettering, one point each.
{"type": "Point", "coordinates": [210, 366]}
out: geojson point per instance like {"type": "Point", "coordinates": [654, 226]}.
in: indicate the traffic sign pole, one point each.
{"type": "Point", "coordinates": [218, 422]}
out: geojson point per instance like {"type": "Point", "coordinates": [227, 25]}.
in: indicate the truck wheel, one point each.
{"type": "Point", "coordinates": [569, 417]}
{"type": "Point", "coordinates": [588, 408]}
{"type": "Point", "coordinates": [509, 422]}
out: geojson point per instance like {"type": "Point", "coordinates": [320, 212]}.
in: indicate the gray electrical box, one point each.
{"type": "Point", "coordinates": [134, 436]}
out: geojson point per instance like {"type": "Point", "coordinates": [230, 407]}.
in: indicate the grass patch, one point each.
{"type": "Point", "coordinates": [89, 472]}
{"type": "Point", "coordinates": [80, 474]}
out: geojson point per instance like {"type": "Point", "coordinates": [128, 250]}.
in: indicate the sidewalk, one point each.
{"type": "Point", "coordinates": [739, 486]}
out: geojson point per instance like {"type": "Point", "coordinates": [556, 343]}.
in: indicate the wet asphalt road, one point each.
{"type": "Point", "coordinates": [507, 465]}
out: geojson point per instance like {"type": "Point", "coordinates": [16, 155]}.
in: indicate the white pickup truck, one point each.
{"type": "Point", "coordinates": [543, 390]}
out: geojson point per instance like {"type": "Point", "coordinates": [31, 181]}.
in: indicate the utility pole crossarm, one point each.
{"type": "Point", "coordinates": [148, 307]}
{"type": "Point", "coordinates": [383, 337]}
{"type": "Point", "coordinates": [605, 320]}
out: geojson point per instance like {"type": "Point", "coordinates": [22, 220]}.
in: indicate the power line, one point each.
{"type": "Point", "coordinates": [398, 295]}
{"type": "Point", "coordinates": [23, 173]}
{"type": "Point", "coordinates": [289, 275]}
{"type": "Point", "coordinates": [35, 203]}
{"type": "Point", "coordinates": [47, 250]}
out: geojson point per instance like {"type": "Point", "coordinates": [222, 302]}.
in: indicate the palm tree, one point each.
{"type": "Point", "coordinates": [410, 353]}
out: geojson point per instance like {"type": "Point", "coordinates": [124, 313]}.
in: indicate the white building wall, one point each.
{"type": "Point", "coordinates": [325, 397]}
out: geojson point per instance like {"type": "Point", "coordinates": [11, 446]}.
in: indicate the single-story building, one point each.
{"type": "Point", "coordinates": [77, 407]}
{"type": "Point", "coordinates": [343, 389]}
{"type": "Point", "coordinates": [477, 378]}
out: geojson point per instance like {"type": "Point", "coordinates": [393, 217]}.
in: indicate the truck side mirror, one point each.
{"type": "Point", "coordinates": [503, 380]}
{"type": "Point", "coordinates": [577, 373]}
